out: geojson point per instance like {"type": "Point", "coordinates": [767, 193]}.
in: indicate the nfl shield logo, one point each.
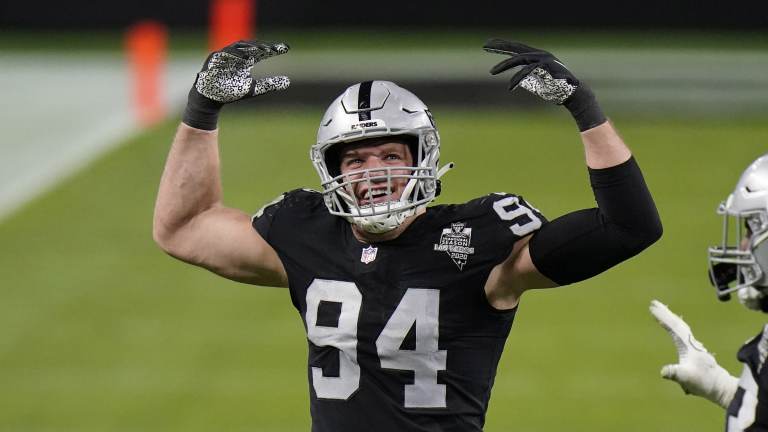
{"type": "Point", "coordinates": [369, 254]}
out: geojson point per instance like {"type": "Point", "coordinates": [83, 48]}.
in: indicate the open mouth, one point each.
{"type": "Point", "coordinates": [374, 197]}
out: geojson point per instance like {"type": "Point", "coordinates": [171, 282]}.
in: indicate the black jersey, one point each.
{"type": "Point", "coordinates": [748, 410]}
{"type": "Point", "coordinates": [401, 335]}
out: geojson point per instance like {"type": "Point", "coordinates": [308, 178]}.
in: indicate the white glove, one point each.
{"type": "Point", "coordinates": [696, 371]}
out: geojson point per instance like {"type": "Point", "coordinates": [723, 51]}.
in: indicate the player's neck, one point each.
{"type": "Point", "coordinates": [366, 237]}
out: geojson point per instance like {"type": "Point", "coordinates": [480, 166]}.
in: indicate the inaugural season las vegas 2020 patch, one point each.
{"type": "Point", "coordinates": [455, 241]}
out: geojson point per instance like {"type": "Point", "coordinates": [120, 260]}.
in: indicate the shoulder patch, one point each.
{"type": "Point", "coordinates": [456, 242]}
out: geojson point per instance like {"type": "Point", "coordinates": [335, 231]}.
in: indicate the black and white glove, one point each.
{"type": "Point", "coordinates": [226, 77]}
{"type": "Point", "coordinates": [696, 371]}
{"type": "Point", "coordinates": [547, 77]}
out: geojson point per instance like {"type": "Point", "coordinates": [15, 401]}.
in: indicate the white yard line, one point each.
{"type": "Point", "coordinates": [58, 113]}
{"type": "Point", "coordinates": [28, 174]}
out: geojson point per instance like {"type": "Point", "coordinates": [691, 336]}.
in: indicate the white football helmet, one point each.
{"type": "Point", "coordinates": [378, 109]}
{"type": "Point", "coordinates": [740, 263]}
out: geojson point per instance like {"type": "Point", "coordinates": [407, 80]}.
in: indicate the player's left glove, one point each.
{"type": "Point", "coordinates": [547, 77]}
{"type": "Point", "coordinates": [226, 77]}
{"type": "Point", "coordinates": [696, 371]}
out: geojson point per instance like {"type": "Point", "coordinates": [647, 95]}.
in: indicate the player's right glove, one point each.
{"type": "Point", "coordinates": [226, 77]}
{"type": "Point", "coordinates": [547, 77]}
{"type": "Point", "coordinates": [696, 371]}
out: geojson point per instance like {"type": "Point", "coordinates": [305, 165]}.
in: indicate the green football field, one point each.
{"type": "Point", "coordinates": [103, 332]}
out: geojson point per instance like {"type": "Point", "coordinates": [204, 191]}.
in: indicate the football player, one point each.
{"type": "Point", "coordinates": [739, 265]}
{"type": "Point", "coordinates": [406, 307]}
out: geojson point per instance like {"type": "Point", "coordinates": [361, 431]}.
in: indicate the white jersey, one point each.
{"type": "Point", "coordinates": [748, 410]}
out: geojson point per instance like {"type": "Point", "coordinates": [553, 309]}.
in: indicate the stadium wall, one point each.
{"type": "Point", "coordinates": [84, 14]}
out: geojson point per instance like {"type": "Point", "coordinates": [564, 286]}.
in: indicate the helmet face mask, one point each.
{"type": "Point", "coordinates": [740, 263]}
{"type": "Point", "coordinates": [377, 109]}
{"type": "Point", "coordinates": [739, 250]}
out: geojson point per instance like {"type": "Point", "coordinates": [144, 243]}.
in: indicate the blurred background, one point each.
{"type": "Point", "coordinates": [100, 331]}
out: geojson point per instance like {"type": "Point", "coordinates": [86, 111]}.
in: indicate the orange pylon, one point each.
{"type": "Point", "coordinates": [231, 20]}
{"type": "Point", "coordinates": [146, 45]}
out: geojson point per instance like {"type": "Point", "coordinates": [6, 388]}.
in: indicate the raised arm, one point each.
{"type": "Point", "coordinates": [190, 221]}
{"type": "Point", "coordinates": [583, 243]}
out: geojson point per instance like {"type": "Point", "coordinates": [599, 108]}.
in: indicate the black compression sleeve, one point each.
{"type": "Point", "coordinates": [587, 242]}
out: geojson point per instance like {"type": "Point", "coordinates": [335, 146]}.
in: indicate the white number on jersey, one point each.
{"type": "Point", "coordinates": [511, 209]}
{"type": "Point", "coordinates": [342, 337]}
{"type": "Point", "coordinates": [419, 307]}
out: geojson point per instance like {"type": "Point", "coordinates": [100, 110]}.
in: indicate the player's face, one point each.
{"type": "Point", "coordinates": [744, 244]}
{"type": "Point", "coordinates": [376, 156]}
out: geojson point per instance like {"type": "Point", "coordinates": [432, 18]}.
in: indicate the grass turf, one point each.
{"type": "Point", "coordinates": [102, 332]}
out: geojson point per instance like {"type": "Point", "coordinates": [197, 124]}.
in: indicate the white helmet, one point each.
{"type": "Point", "coordinates": [378, 109]}
{"type": "Point", "coordinates": [744, 269]}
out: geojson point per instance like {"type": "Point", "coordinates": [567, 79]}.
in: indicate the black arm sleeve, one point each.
{"type": "Point", "coordinates": [587, 242]}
